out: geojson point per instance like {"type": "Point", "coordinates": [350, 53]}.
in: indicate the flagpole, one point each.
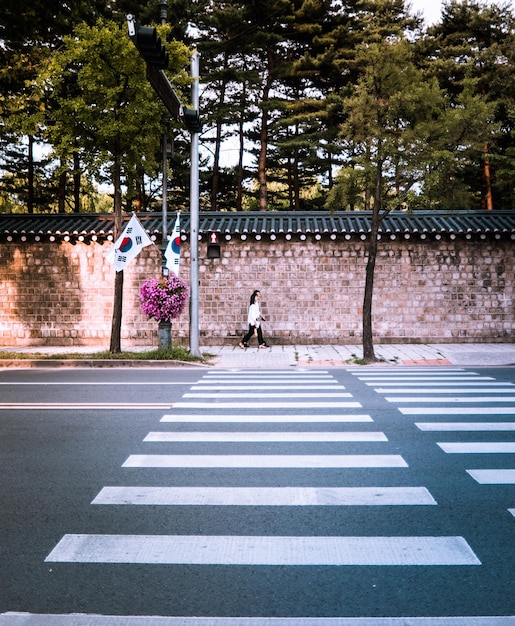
{"type": "Point", "coordinates": [165, 198]}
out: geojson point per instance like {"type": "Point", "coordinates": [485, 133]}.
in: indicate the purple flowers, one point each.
{"type": "Point", "coordinates": [164, 299]}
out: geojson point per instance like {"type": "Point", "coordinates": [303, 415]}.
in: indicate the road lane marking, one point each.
{"type": "Point", "coordinates": [226, 418]}
{"type": "Point", "coordinates": [478, 447]}
{"type": "Point", "coordinates": [265, 496]}
{"type": "Point", "coordinates": [493, 476]}
{"type": "Point", "coordinates": [268, 437]}
{"type": "Point", "coordinates": [267, 405]}
{"type": "Point", "coordinates": [258, 461]}
{"type": "Point", "coordinates": [89, 384]}
{"type": "Point", "coordinates": [88, 406]}
{"type": "Point", "coordinates": [465, 426]}
{"type": "Point", "coordinates": [261, 550]}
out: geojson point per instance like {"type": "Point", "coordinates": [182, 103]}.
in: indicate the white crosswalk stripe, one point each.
{"type": "Point", "coordinates": [465, 426]}
{"type": "Point", "coordinates": [442, 390]}
{"type": "Point", "coordinates": [268, 374]}
{"type": "Point", "coordinates": [451, 410]}
{"type": "Point", "coordinates": [478, 447]}
{"type": "Point", "coordinates": [397, 399]}
{"type": "Point", "coordinates": [267, 437]}
{"type": "Point", "coordinates": [263, 418]}
{"type": "Point", "coordinates": [493, 476]}
{"type": "Point", "coordinates": [268, 550]}
{"type": "Point", "coordinates": [300, 386]}
{"type": "Point", "coordinates": [265, 394]}
{"type": "Point", "coordinates": [321, 404]}
{"type": "Point", "coordinates": [269, 496]}
{"type": "Point", "coordinates": [417, 378]}
{"type": "Point", "coordinates": [442, 382]}
{"type": "Point", "coordinates": [257, 461]}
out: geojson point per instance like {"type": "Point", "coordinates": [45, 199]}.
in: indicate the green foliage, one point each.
{"type": "Point", "coordinates": [389, 117]}
{"type": "Point", "coordinates": [298, 90]}
{"type": "Point", "coordinates": [100, 105]}
{"type": "Point", "coordinates": [176, 353]}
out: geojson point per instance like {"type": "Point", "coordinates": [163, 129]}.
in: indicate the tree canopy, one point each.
{"type": "Point", "coordinates": [305, 104]}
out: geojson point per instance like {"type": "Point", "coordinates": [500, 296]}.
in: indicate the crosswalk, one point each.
{"type": "Point", "coordinates": [224, 395]}
{"type": "Point", "coordinates": [232, 425]}
{"type": "Point", "coordinates": [451, 387]}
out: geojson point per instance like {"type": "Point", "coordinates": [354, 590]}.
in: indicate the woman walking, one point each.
{"type": "Point", "coordinates": [254, 319]}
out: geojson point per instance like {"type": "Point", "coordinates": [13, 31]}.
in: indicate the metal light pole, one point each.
{"type": "Point", "coordinates": [194, 217]}
{"type": "Point", "coordinates": [163, 7]}
{"type": "Point", "coordinates": [163, 11]}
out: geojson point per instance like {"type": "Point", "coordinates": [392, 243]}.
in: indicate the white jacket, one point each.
{"type": "Point", "coordinates": [254, 314]}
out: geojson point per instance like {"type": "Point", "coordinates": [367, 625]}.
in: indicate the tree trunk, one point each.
{"type": "Point", "coordinates": [289, 178]}
{"type": "Point", "coordinates": [368, 340]}
{"type": "Point", "coordinates": [296, 181]}
{"type": "Point", "coordinates": [116, 325]}
{"type": "Point", "coordinates": [488, 181]}
{"type": "Point", "coordinates": [330, 177]}
{"type": "Point", "coordinates": [76, 183]}
{"type": "Point", "coordinates": [61, 194]}
{"type": "Point", "coordinates": [263, 148]}
{"type": "Point", "coordinates": [218, 144]}
{"type": "Point", "coordinates": [240, 171]}
{"type": "Point", "coordinates": [30, 182]}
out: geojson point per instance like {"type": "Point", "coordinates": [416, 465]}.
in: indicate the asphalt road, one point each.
{"type": "Point", "coordinates": [302, 493]}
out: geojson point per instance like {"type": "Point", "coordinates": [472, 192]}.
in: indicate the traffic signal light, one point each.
{"type": "Point", "coordinates": [192, 121]}
{"type": "Point", "coordinates": [149, 45]}
{"type": "Point", "coordinates": [213, 245]}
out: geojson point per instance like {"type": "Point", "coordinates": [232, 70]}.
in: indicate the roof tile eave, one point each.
{"type": "Point", "coordinates": [289, 222]}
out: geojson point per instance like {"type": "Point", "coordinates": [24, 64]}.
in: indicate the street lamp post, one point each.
{"type": "Point", "coordinates": [194, 212]}
{"type": "Point", "coordinates": [163, 11]}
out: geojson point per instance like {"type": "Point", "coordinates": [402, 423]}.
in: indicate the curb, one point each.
{"type": "Point", "coordinates": [100, 363]}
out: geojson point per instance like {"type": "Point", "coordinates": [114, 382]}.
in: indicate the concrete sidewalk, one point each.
{"type": "Point", "coordinates": [231, 356]}
{"type": "Point", "coordinates": [487, 354]}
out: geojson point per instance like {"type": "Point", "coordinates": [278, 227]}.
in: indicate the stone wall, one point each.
{"type": "Point", "coordinates": [57, 293]}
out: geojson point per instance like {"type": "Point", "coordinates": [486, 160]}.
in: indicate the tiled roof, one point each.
{"type": "Point", "coordinates": [273, 224]}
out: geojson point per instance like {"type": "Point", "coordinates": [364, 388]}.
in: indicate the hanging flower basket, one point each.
{"type": "Point", "coordinates": [163, 300]}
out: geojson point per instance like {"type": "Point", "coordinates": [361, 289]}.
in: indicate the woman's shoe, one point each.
{"type": "Point", "coordinates": [242, 346]}
{"type": "Point", "coordinates": [263, 345]}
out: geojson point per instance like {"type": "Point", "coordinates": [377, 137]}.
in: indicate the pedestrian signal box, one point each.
{"type": "Point", "coordinates": [213, 245]}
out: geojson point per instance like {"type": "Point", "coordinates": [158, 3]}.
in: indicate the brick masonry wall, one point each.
{"type": "Point", "coordinates": [56, 293]}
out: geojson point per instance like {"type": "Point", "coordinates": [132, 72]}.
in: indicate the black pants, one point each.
{"type": "Point", "coordinates": [250, 334]}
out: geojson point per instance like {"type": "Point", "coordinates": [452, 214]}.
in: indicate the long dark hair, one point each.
{"type": "Point", "coordinates": [253, 296]}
